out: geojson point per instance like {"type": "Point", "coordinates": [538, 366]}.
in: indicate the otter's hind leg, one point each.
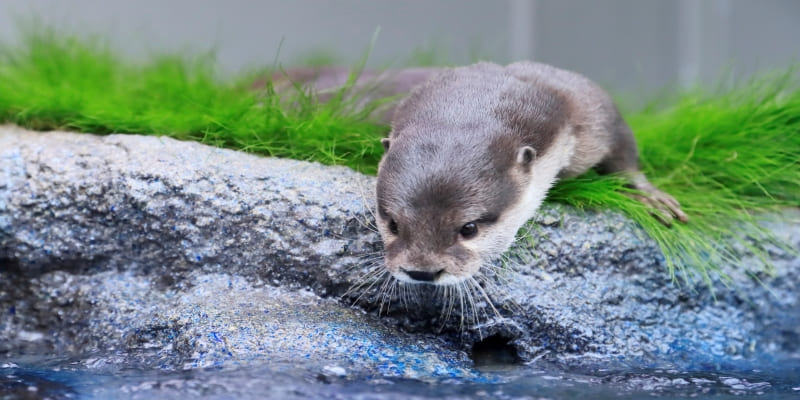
{"type": "Point", "coordinates": [624, 158]}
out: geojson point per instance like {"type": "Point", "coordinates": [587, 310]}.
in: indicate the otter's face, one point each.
{"type": "Point", "coordinates": [443, 209]}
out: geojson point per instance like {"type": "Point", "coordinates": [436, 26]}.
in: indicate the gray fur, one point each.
{"type": "Point", "coordinates": [458, 154]}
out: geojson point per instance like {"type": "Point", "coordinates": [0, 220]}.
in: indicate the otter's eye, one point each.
{"type": "Point", "coordinates": [393, 227]}
{"type": "Point", "coordinates": [469, 230]}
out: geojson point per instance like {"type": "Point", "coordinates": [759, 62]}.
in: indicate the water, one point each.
{"type": "Point", "coordinates": [116, 377]}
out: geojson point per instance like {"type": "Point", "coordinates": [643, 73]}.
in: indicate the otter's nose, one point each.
{"type": "Point", "coordinates": [423, 276]}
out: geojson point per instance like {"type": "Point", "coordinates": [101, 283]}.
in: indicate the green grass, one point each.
{"type": "Point", "coordinates": [55, 82]}
{"type": "Point", "coordinates": [729, 157]}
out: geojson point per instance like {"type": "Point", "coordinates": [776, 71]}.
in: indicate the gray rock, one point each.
{"type": "Point", "coordinates": [183, 255]}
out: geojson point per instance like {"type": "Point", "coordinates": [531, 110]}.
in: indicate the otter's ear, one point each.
{"type": "Point", "coordinates": [525, 155]}
{"type": "Point", "coordinates": [386, 142]}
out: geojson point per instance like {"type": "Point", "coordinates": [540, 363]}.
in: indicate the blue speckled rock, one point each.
{"type": "Point", "coordinates": [180, 255]}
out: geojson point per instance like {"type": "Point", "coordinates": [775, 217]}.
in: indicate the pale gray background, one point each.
{"type": "Point", "coordinates": [631, 46]}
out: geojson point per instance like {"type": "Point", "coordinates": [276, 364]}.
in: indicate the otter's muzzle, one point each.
{"type": "Point", "coordinates": [423, 276]}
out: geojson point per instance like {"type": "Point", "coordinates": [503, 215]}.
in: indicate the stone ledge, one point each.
{"type": "Point", "coordinates": [100, 236]}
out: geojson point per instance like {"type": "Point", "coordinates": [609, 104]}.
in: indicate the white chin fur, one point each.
{"type": "Point", "coordinates": [545, 172]}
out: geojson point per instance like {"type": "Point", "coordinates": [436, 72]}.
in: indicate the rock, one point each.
{"type": "Point", "coordinates": [185, 256]}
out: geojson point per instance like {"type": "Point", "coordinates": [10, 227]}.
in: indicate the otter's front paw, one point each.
{"type": "Point", "coordinates": [666, 207]}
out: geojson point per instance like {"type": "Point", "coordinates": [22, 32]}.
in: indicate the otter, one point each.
{"type": "Point", "coordinates": [472, 153]}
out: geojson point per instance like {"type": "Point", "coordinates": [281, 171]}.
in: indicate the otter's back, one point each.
{"type": "Point", "coordinates": [455, 97]}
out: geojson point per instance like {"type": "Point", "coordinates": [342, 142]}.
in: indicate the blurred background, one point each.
{"type": "Point", "coordinates": [631, 46]}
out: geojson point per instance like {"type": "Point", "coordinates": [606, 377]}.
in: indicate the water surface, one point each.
{"type": "Point", "coordinates": [31, 377]}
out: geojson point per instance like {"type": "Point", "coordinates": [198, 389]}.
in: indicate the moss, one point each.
{"type": "Point", "coordinates": [727, 156]}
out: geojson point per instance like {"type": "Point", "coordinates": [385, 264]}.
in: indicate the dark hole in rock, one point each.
{"type": "Point", "coordinates": [494, 351]}
{"type": "Point", "coordinates": [10, 265]}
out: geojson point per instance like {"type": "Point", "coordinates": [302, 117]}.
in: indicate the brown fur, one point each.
{"type": "Point", "coordinates": [453, 158]}
{"type": "Point", "coordinates": [483, 144]}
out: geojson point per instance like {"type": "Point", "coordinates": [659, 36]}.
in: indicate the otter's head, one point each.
{"type": "Point", "coordinates": [446, 207]}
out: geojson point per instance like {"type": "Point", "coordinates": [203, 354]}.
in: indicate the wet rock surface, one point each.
{"type": "Point", "coordinates": [181, 256]}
